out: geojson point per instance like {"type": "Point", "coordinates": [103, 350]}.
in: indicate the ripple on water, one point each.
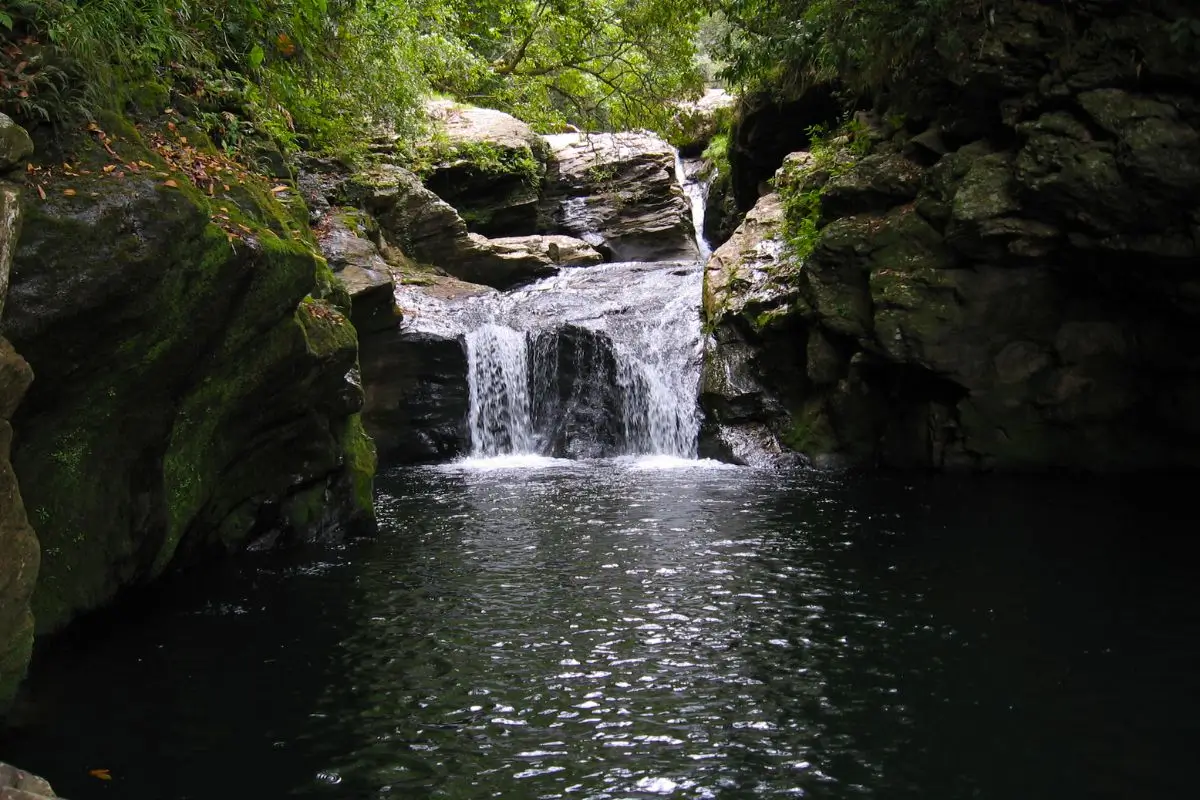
{"type": "Point", "coordinates": [602, 631]}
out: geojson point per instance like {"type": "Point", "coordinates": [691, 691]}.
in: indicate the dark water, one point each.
{"type": "Point", "coordinates": [606, 631]}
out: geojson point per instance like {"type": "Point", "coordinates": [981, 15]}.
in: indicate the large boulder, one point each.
{"type": "Point", "coordinates": [751, 299]}
{"type": "Point", "coordinates": [15, 144]}
{"type": "Point", "coordinates": [485, 163]}
{"type": "Point", "coordinates": [428, 230]}
{"type": "Point", "coordinates": [417, 396]}
{"type": "Point", "coordinates": [619, 193]}
{"type": "Point", "coordinates": [19, 552]}
{"type": "Point", "coordinates": [197, 385]}
{"type": "Point", "coordinates": [349, 241]}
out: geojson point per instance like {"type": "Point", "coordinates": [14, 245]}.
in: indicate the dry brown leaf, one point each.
{"type": "Point", "coordinates": [109, 168]}
{"type": "Point", "coordinates": [279, 188]}
{"type": "Point", "coordinates": [69, 192]}
{"type": "Point", "coordinates": [41, 191]}
{"type": "Point", "coordinates": [171, 183]}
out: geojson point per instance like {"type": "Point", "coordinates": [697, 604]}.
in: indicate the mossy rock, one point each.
{"type": "Point", "coordinates": [185, 392]}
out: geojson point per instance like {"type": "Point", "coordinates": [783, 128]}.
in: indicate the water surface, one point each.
{"type": "Point", "coordinates": [541, 628]}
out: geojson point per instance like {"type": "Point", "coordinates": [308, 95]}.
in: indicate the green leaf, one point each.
{"type": "Point", "coordinates": [256, 57]}
{"type": "Point", "coordinates": [6, 21]}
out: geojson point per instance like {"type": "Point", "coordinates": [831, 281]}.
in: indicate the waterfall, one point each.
{"type": "Point", "coordinates": [690, 174]}
{"type": "Point", "coordinates": [596, 362]}
{"type": "Point", "coordinates": [498, 379]}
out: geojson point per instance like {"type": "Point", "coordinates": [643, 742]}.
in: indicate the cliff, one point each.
{"type": "Point", "coordinates": [993, 270]}
{"type": "Point", "coordinates": [197, 386]}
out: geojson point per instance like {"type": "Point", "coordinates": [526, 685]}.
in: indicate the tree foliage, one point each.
{"type": "Point", "coordinates": [318, 71]}
{"type": "Point", "coordinates": [864, 45]}
{"type": "Point", "coordinates": [603, 64]}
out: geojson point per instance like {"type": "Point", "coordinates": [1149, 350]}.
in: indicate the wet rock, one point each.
{"type": "Point", "coordinates": [750, 273]}
{"type": "Point", "coordinates": [486, 164]}
{"type": "Point", "coordinates": [417, 396]}
{"type": "Point", "coordinates": [579, 405]}
{"type": "Point", "coordinates": [511, 261]}
{"type": "Point", "coordinates": [343, 238]}
{"type": "Point", "coordinates": [753, 303]}
{"type": "Point", "coordinates": [618, 192]}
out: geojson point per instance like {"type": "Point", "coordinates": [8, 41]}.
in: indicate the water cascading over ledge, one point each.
{"type": "Point", "coordinates": [596, 363]}
{"type": "Point", "coordinates": [593, 362]}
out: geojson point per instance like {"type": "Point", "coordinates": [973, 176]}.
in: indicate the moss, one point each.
{"type": "Point", "coordinates": [361, 462]}
{"type": "Point", "coordinates": [802, 184]}
{"type": "Point", "coordinates": [149, 97]}
{"type": "Point", "coordinates": [486, 158]}
{"type": "Point", "coordinates": [810, 431]}
{"type": "Point", "coordinates": [181, 387]}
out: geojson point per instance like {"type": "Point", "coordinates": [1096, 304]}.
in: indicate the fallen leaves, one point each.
{"type": "Point", "coordinates": [102, 774]}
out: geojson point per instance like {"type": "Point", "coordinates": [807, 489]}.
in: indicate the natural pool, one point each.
{"type": "Point", "coordinates": [658, 628]}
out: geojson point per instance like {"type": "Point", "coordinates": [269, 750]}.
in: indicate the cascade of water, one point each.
{"type": "Point", "coordinates": [498, 379]}
{"type": "Point", "coordinates": [595, 361]}
{"type": "Point", "coordinates": [696, 184]}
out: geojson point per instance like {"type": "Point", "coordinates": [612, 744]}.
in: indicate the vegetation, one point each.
{"type": "Point", "coordinates": [322, 73]}
{"type": "Point", "coordinates": [863, 45]}
{"type": "Point", "coordinates": [598, 64]}
{"type": "Point", "coordinates": [831, 153]}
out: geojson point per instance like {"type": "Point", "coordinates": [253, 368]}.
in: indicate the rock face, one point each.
{"type": "Point", "coordinates": [197, 391]}
{"type": "Point", "coordinates": [765, 130]}
{"type": "Point", "coordinates": [428, 230]}
{"type": "Point", "coordinates": [1008, 284]}
{"type": "Point", "coordinates": [618, 192]}
{"type": "Point", "coordinates": [696, 123]}
{"type": "Point", "coordinates": [19, 552]}
{"type": "Point", "coordinates": [417, 396]}
{"type": "Point", "coordinates": [15, 144]}
{"type": "Point", "coordinates": [16, 784]}
{"type": "Point", "coordinates": [488, 165]}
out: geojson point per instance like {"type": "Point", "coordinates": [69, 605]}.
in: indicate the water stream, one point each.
{"type": "Point", "coordinates": [594, 362]}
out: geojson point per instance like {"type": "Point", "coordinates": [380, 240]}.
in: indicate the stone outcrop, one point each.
{"type": "Point", "coordinates": [19, 552]}
{"type": "Point", "coordinates": [416, 378]}
{"type": "Point", "coordinates": [350, 242]}
{"type": "Point", "coordinates": [430, 231]}
{"type": "Point", "coordinates": [15, 144]}
{"type": "Point", "coordinates": [696, 122]}
{"type": "Point", "coordinates": [17, 784]}
{"type": "Point", "coordinates": [197, 385]}
{"type": "Point", "coordinates": [1008, 282]}
{"type": "Point", "coordinates": [750, 288]}
{"type": "Point", "coordinates": [619, 193]}
{"type": "Point", "coordinates": [488, 165]}
{"type": "Point", "coordinates": [765, 129]}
